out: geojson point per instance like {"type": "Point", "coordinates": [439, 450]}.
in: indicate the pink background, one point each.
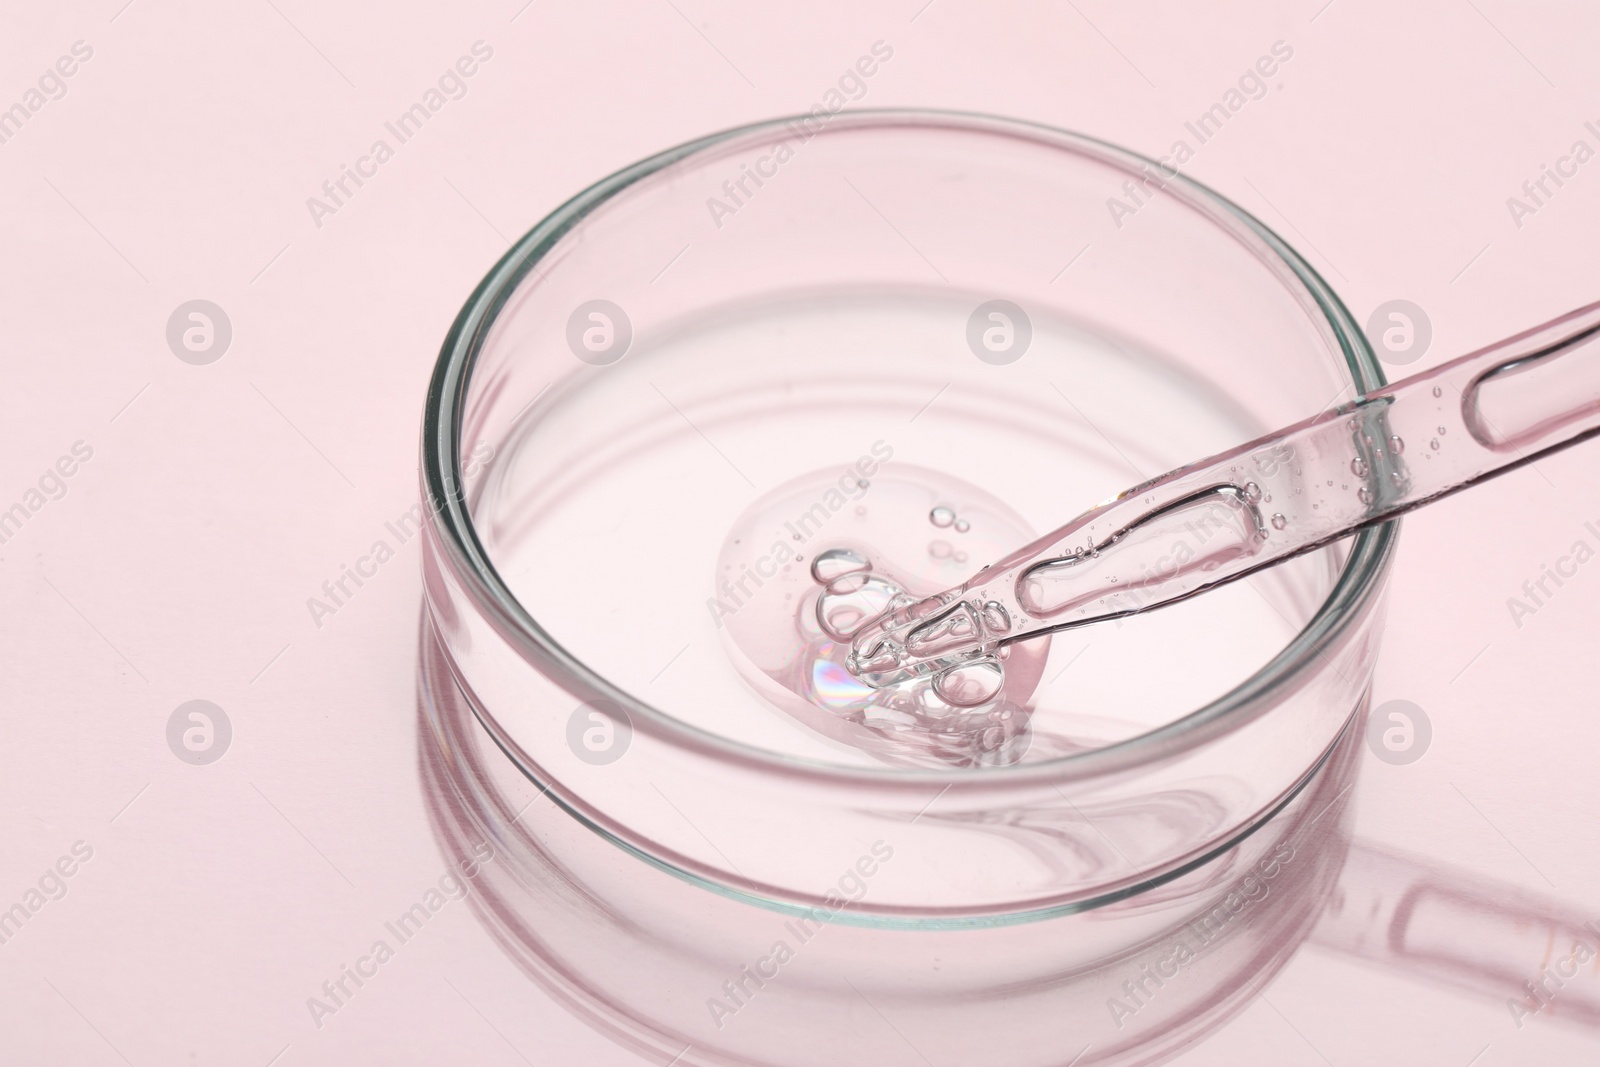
{"type": "Point", "coordinates": [219, 497]}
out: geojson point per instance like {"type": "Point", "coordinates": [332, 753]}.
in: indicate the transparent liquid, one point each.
{"type": "Point", "coordinates": [808, 564]}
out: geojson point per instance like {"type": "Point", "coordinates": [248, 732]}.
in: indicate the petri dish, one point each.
{"type": "Point", "coordinates": [783, 338]}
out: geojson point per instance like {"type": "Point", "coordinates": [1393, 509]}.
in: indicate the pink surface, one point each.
{"type": "Point", "coordinates": [177, 565]}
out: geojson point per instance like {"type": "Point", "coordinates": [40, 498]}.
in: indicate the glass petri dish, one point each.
{"type": "Point", "coordinates": [777, 339]}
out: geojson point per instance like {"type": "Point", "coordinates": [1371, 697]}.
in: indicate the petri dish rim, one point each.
{"type": "Point", "coordinates": [1358, 585]}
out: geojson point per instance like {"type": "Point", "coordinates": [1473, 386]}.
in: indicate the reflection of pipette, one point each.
{"type": "Point", "coordinates": [1282, 495]}
{"type": "Point", "coordinates": [1411, 915]}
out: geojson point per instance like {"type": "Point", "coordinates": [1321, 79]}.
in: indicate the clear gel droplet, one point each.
{"type": "Point", "coordinates": [836, 563]}
{"type": "Point", "coordinates": [970, 684]}
{"type": "Point", "coordinates": [850, 601]}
